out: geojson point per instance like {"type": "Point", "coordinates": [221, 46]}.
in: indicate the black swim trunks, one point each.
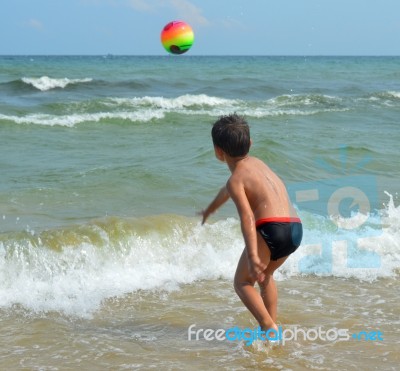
{"type": "Point", "coordinates": [282, 235]}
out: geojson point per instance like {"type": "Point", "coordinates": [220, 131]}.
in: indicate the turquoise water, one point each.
{"type": "Point", "coordinates": [105, 161]}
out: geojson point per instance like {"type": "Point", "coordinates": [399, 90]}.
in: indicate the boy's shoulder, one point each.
{"type": "Point", "coordinates": [240, 173]}
{"type": "Point", "coordinates": [249, 169]}
{"type": "Point", "coordinates": [235, 179]}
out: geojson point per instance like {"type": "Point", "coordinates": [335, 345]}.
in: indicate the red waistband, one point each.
{"type": "Point", "coordinates": [278, 219]}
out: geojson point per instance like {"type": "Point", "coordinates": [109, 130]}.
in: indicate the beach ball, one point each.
{"type": "Point", "coordinates": [177, 37]}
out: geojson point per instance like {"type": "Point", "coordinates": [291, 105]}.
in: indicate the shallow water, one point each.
{"type": "Point", "coordinates": [150, 330]}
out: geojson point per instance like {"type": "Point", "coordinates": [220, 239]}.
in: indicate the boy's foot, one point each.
{"type": "Point", "coordinates": [272, 333]}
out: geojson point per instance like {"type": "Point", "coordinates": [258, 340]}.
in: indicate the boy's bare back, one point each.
{"type": "Point", "coordinates": [264, 190]}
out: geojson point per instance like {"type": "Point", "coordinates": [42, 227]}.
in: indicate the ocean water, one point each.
{"type": "Point", "coordinates": [105, 162]}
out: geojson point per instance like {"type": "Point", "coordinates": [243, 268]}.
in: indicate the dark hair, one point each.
{"type": "Point", "coordinates": [232, 134]}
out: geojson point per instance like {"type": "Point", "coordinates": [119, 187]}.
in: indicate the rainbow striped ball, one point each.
{"type": "Point", "coordinates": [177, 37]}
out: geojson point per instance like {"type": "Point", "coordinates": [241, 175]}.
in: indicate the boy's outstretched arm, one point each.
{"type": "Point", "coordinates": [219, 200]}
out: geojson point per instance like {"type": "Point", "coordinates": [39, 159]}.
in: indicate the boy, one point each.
{"type": "Point", "coordinates": [264, 207]}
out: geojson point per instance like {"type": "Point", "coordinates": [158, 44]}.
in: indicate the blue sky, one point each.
{"type": "Point", "coordinates": [221, 27]}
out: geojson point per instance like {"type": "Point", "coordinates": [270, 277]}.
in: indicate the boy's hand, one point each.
{"type": "Point", "coordinates": [256, 269]}
{"type": "Point", "coordinates": [219, 200]}
{"type": "Point", "coordinates": [204, 214]}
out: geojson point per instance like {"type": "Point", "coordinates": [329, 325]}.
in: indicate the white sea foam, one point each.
{"type": "Point", "coordinates": [74, 119]}
{"type": "Point", "coordinates": [148, 114]}
{"type": "Point", "coordinates": [47, 83]}
{"type": "Point", "coordinates": [386, 98]}
{"type": "Point", "coordinates": [305, 100]}
{"type": "Point", "coordinates": [265, 112]}
{"type": "Point", "coordinates": [394, 94]}
{"type": "Point", "coordinates": [78, 278]}
{"type": "Point", "coordinates": [209, 105]}
{"type": "Point", "coordinates": [149, 108]}
{"type": "Point", "coordinates": [183, 101]}
{"type": "Point", "coordinates": [365, 253]}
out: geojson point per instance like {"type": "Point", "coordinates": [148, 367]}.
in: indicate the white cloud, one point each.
{"type": "Point", "coordinates": [34, 23]}
{"type": "Point", "coordinates": [232, 23]}
{"type": "Point", "coordinates": [142, 5]}
{"type": "Point", "coordinates": [184, 9]}
{"type": "Point", "coordinates": [189, 12]}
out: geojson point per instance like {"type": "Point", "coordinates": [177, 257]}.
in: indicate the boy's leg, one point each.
{"type": "Point", "coordinates": [269, 292]}
{"type": "Point", "coordinates": [251, 298]}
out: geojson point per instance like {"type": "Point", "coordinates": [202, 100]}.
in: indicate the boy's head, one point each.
{"type": "Point", "coordinates": [232, 134]}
